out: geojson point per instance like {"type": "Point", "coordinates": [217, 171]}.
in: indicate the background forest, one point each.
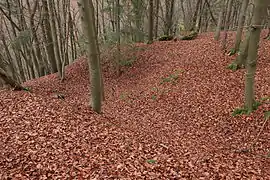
{"type": "Point", "coordinates": [42, 37]}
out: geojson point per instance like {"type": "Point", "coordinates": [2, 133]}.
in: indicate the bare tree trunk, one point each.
{"type": "Point", "coordinates": [156, 17]}
{"type": "Point", "coordinates": [268, 23]}
{"type": "Point", "coordinates": [194, 19]}
{"type": "Point", "coordinates": [201, 8]}
{"type": "Point", "coordinates": [49, 45]}
{"type": "Point", "coordinates": [9, 80]}
{"type": "Point", "coordinates": [54, 37]}
{"type": "Point", "coordinates": [103, 22]}
{"type": "Point", "coordinates": [210, 12]}
{"type": "Point", "coordinates": [220, 19]}
{"type": "Point", "coordinates": [241, 22]}
{"type": "Point", "coordinates": [36, 54]}
{"type": "Point", "coordinates": [169, 15]}
{"type": "Point", "coordinates": [138, 9]}
{"type": "Point", "coordinates": [151, 21]}
{"type": "Point", "coordinates": [226, 24]}
{"type": "Point", "coordinates": [117, 18]}
{"type": "Point", "coordinates": [97, 18]}
{"type": "Point", "coordinates": [241, 59]}
{"type": "Point", "coordinates": [255, 31]}
{"type": "Point", "coordinates": [88, 23]}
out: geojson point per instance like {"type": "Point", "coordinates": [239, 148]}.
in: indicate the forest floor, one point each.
{"type": "Point", "coordinates": [169, 116]}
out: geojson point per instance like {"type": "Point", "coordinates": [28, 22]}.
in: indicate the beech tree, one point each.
{"type": "Point", "coordinates": [118, 28]}
{"type": "Point", "coordinates": [227, 23]}
{"type": "Point", "coordinates": [169, 4]}
{"type": "Point", "coordinates": [89, 29]}
{"type": "Point", "coordinates": [151, 21]}
{"type": "Point", "coordinates": [255, 31]}
{"type": "Point", "coordinates": [220, 20]}
{"type": "Point", "coordinates": [241, 22]}
{"type": "Point", "coordinates": [4, 76]}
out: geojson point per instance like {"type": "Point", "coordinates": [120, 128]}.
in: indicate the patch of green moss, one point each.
{"type": "Point", "coordinates": [233, 66]}
{"type": "Point", "coordinates": [244, 110]}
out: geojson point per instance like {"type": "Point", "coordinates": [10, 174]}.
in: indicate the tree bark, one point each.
{"type": "Point", "coordinates": [220, 19]}
{"type": "Point", "coordinates": [194, 18]}
{"type": "Point", "coordinates": [241, 22]}
{"type": "Point", "coordinates": [255, 31]}
{"type": "Point", "coordinates": [88, 23]}
{"type": "Point", "coordinates": [151, 21]}
{"type": "Point", "coordinates": [169, 15]}
{"type": "Point", "coordinates": [54, 37]}
{"type": "Point", "coordinates": [156, 17]}
{"type": "Point", "coordinates": [226, 24]}
{"type": "Point", "coordinates": [117, 18]}
{"type": "Point", "coordinates": [48, 37]}
{"type": "Point", "coordinates": [9, 80]}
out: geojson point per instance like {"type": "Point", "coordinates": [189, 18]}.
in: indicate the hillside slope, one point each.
{"type": "Point", "coordinates": [166, 117]}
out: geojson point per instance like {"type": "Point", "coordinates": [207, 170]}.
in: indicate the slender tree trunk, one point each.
{"type": "Point", "coordinates": [117, 18]}
{"type": "Point", "coordinates": [169, 15]}
{"type": "Point", "coordinates": [195, 16]}
{"type": "Point", "coordinates": [156, 18]}
{"type": "Point", "coordinates": [49, 45]}
{"type": "Point", "coordinates": [103, 22]}
{"type": "Point", "coordinates": [226, 24]}
{"type": "Point", "coordinates": [97, 18]}
{"type": "Point", "coordinates": [151, 21]}
{"type": "Point", "coordinates": [54, 37]}
{"type": "Point", "coordinates": [35, 53]}
{"type": "Point", "coordinates": [201, 8]}
{"type": "Point", "coordinates": [220, 19]}
{"type": "Point", "coordinates": [137, 7]}
{"type": "Point", "coordinates": [210, 12]}
{"type": "Point", "coordinates": [241, 22]}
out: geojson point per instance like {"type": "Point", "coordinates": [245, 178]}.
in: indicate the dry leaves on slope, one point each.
{"type": "Point", "coordinates": [179, 129]}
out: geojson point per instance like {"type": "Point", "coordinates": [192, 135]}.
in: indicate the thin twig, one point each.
{"type": "Point", "coordinates": [257, 137]}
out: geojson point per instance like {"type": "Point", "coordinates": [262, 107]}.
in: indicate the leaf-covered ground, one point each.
{"type": "Point", "coordinates": [166, 117]}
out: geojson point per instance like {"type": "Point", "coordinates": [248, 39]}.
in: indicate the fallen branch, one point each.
{"type": "Point", "coordinates": [257, 137]}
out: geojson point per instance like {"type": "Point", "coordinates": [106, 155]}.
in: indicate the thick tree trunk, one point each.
{"type": "Point", "coordinates": [9, 80]}
{"type": "Point", "coordinates": [255, 31]}
{"type": "Point", "coordinates": [242, 56]}
{"type": "Point", "coordinates": [268, 24]}
{"type": "Point", "coordinates": [88, 23]}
